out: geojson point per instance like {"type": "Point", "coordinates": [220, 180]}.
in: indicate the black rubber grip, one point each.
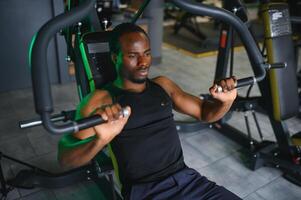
{"type": "Point", "coordinates": [245, 81]}
{"type": "Point", "coordinates": [278, 65]}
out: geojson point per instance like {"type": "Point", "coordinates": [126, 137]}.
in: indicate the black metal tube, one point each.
{"type": "Point", "coordinates": [57, 129]}
{"type": "Point", "coordinates": [63, 116]}
{"type": "Point", "coordinates": [74, 126]}
{"type": "Point", "coordinates": [140, 11]}
{"type": "Point", "coordinates": [277, 65]}
{"type": "Point", "coordinates": [226, 16]}
{"type": "Point", "coordinates": [245, 81]}
{"type": "Point", "coordinates": [40, 77]}
{"type": "Point", "coordinates": [3, 189]}
{"type": "Point", "coordinates": [248, 130]}
{"type": "Point", "coordinates": [295, 19]}
{"type": "Point", "coordinates": [257, 125]}
{"type": "Point", "coordinates": [37, 122]}
{"type": "Point", "coordinates": [70, 127]}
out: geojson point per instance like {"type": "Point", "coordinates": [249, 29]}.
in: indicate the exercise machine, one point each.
{"type": "Point", "coordinates": [32, 176]}
{"type": "Point", "coordinates": [85, 47]}
{"type": "Point", "coordinates": [189, 22]}
{"type": "Point", "coordinates": [279, 91]}
{"type": "Point", "coordinates": [295, 7]}
{"type": "Point", "coordinates": [59, 124]}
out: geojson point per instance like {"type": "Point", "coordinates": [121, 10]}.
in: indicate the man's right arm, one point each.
{"type": "Point", "coordinates": [81, 154]}
{"type": "Point", "coordinates": [99, 136]}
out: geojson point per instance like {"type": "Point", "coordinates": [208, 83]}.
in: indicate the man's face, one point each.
{"type": "Point", "coordinates": [134, 57]}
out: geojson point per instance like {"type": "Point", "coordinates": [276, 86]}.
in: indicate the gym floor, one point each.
{"type": "Point", "coordinates": [212, 154]}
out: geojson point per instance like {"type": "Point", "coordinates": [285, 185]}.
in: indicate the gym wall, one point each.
{"type": "Point", "coordinates": [20, 20]}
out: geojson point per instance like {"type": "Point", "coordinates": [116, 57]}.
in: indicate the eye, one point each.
{"type": "Point", "coordinates": [131, 55]}
{"type": "Point", "coordinates": [148, 53]}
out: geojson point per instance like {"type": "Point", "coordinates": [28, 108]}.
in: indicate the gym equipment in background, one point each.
{"type": "Point", "coordinates": [279, 94]}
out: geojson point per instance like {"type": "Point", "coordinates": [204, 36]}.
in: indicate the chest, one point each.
{"type": "Point", "coordinates": [148, 107]}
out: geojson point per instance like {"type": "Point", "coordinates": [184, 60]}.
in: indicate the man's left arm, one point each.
{"type": "Point", "coordinates": [205, 110]}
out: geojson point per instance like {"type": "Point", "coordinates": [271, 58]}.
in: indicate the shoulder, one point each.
{"type": "Point", "coordinates": [161, 80]}
{"type": "Point", "coordinates": [95, 100]}
{"type": "Point", "coordinates": [96, 96]}
{"type": "Point", "coordinates": [167, 84]}
{"type": "Point", "coordinates": [100, 95]}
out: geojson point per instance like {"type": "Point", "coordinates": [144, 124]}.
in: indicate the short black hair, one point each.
{"type": "Point", "coordinates": [121, 30]}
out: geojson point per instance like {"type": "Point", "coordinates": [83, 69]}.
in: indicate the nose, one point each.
{"type": "Point", "coordinates": [143, 61]}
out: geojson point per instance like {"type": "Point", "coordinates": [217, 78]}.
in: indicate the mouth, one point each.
{"type": "Point", "coordinates": [143, 72]}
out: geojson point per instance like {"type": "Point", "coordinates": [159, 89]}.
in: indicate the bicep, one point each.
{"type": "Point", "coordinates": [187, 104]}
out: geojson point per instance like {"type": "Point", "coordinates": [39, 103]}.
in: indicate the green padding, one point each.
{"type": "Point", "coordinates": [30, 49]}
{"type": "Point", "coordinates": [68, 141]}
{"type": "Point", "coordinates": [87, 66]}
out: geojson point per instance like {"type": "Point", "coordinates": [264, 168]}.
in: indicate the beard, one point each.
{"type": "Point", "coordinates": [132, 77]}
{"type": "Point", "coordinates": [137, 80]}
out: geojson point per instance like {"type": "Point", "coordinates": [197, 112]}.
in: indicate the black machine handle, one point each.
{"type": "Point", "coordinates": [39, 67]}
{"type": "Point", "coordinates": [63, 116]}
{"type": "Point", "coordinates": [251, 80]}
{"type": "Point", "coordinates": [40, 77]}
{"type": "Point", "coordinates": [75, 126]}
{"type": "Point", "coordinates": [37, 121]}
{"type": "Point", "coordinates": [140, 11]}
{"type": "Point", "coordinates": [248, 41]}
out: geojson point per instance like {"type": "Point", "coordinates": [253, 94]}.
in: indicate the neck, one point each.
{"type": "Point", "coordinates": [129, 85]}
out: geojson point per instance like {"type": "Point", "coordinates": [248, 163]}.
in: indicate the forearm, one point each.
{"type": "Point", "coordinates": [82, 154]}
{"type": "Point", "coordinates": [213, 110]}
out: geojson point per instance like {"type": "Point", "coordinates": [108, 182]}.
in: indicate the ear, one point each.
{"type": "Point", "coordinates": [117, 59]}
{"type": "Point", "coordinates": [114, 58]}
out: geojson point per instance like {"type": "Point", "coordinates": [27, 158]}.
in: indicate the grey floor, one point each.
{"type": "Point", "coordinates": [212, 154]}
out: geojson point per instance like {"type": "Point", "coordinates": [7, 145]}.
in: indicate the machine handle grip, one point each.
{"type": "Point", "coordinates": [277, 65]}
{"type": "Point", "coordinates": [245, 82]}
{"type": "Point", "coordinates": [240, 27]}
{"type": "Point", "coordinates": [241, 83]}
{"type": "Point", "coordinates": [96, 120]}
{"type": "Point", "coordinates": [252, 80]}
{"type": "Point", "coordinates": [78, 125]}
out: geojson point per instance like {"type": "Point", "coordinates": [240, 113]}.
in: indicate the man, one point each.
{"type": "Point", "coordinates": [145, 143]}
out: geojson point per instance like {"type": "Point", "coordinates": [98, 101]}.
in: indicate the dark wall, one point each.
{"type": "Point", "coordinates": [19, 21]}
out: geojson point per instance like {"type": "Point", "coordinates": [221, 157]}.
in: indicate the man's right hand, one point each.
{"type": "Point", "coordinates": [113, 114]}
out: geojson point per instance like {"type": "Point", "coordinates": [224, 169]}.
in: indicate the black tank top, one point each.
{"type": "Point", "coordinates": [148, 148]}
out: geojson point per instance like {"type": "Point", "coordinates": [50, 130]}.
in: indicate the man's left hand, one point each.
{"type": "Point", "coordinates": [228, 91]}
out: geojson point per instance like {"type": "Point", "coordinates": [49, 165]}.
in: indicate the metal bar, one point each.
{"type": "Point", "coordinates": [257, 125]}
{"type": "Point", "coordinates": [4, 190]}
{"type": "Point", "coordinates": [140, 11]}
{"type": "Point", "coordinates": [249, 131]}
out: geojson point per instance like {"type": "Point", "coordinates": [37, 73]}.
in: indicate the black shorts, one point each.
{"type": "Point", "coordinates": [186, 184]}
